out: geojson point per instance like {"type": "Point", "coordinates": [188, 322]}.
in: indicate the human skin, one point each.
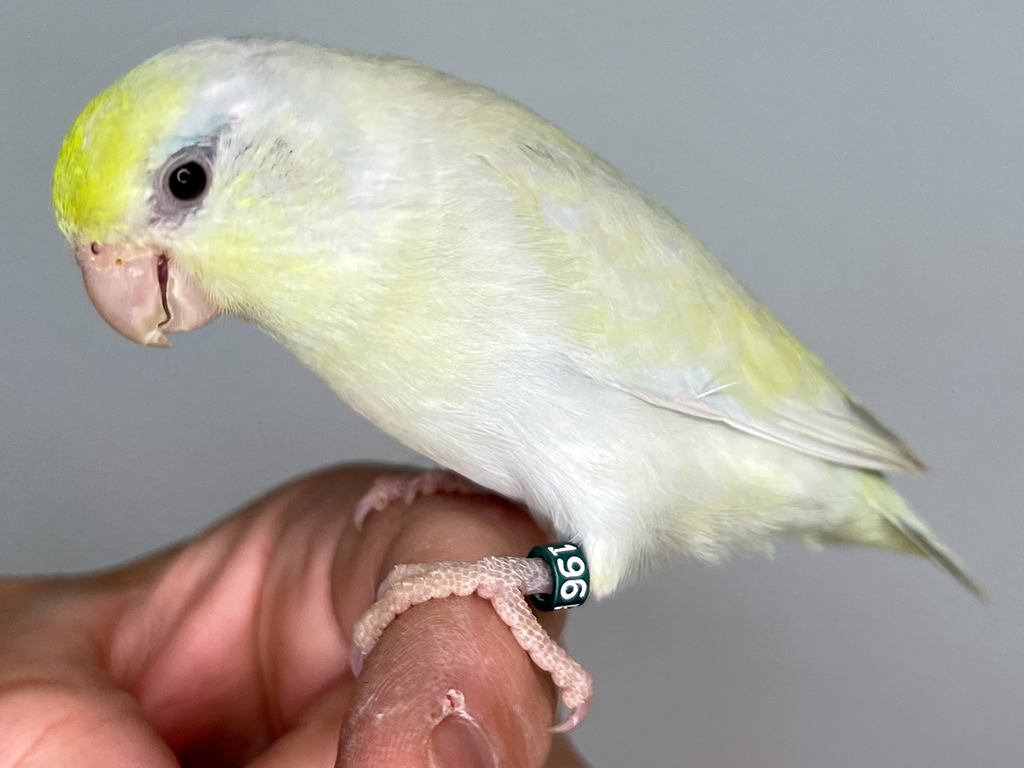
{"type": "Point", "coordinates": [233, 648]}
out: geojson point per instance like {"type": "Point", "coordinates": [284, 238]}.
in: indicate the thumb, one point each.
{"type": "Point", "coordinates": [448, 686]}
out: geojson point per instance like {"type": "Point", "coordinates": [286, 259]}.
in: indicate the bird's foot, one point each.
{"type": "Point", "coordinates": [505, 581]}
{"type": "Point", "coordinates": [388, 489]}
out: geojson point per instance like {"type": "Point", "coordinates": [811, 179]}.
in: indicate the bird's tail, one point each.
{"type": "Point", "coordinates": [896, 527]}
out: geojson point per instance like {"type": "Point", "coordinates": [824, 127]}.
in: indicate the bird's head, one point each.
{"type": "Point", "coordinates": [127, 179]}
{"type": "Point", "coordinates": [178, 186]}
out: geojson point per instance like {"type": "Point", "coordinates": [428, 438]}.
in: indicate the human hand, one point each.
{"type": "Point", "coordinates": [233, 648]}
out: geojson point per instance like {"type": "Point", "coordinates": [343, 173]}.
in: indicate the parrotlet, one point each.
{"type": "Point", "coordinates": [486, 290]}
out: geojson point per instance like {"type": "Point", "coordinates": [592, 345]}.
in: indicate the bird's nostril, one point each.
{"type": "Point", "coordinates": [95, 248]}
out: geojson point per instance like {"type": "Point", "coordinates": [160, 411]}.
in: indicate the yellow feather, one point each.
{"type": "Point", "coordinates": [100, 166]}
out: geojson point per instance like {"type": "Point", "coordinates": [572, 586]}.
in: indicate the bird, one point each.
{"type": "Point", "coordinates": [488, 291]}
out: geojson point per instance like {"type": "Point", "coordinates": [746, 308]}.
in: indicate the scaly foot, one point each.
{"type": "Point", "coordinates": [387, 489]}
{"type": "Point", "coordinates": [505, 581]}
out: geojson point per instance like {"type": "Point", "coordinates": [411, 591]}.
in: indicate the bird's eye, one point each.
{"type": "Point", "coordinates": [187, 181]}
{"type": "Point", "coordinates": [183, 182]}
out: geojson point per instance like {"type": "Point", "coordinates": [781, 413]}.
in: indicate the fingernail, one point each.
{"type": "Point", "coordinates": [458, 742]}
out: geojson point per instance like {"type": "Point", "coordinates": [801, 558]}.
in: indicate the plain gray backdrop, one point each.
{"type": "Point", "coordinates": [858, 165]}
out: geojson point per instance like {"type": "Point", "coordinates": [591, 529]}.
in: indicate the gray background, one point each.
{"type": "Point", "coordinates": [859, 166]}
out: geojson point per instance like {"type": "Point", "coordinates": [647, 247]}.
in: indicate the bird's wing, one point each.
{"type": "Point", "coordinates": [701, 345]}
{"type": "Point", "coordinates": [645, 308]}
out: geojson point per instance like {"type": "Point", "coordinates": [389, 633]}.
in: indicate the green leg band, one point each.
{"type": "Point", "coordinates": [570, 575]}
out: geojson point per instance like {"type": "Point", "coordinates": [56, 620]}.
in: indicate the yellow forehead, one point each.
{"type": "Point", "coordinates": [101, 170]}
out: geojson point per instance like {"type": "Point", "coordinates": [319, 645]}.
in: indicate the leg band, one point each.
{"type": "Point", "coordinates": [570, 575]}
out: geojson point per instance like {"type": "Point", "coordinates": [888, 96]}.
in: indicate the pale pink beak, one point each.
{"type": "Point", "coordinates": [141, 292]}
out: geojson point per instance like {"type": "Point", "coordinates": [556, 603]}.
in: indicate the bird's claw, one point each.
{"type": "Point", "coordinates": [505, 582]}
{"type": "Point", "coordinates": [387, 489]}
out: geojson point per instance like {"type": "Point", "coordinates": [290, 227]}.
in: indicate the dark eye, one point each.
{"type": "Point", "coordinates": [187, 181]}
{"type": "Point", "coordinates": [183, 181]}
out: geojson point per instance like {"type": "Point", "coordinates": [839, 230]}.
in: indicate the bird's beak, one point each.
{"type": "Point", "coordinates": [142, 293]}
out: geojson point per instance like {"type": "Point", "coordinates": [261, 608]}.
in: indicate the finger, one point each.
{"type": "Point", "coordinates": [57, 706]}
{"type": "Point", "coordinates": [563, 754]}
{"type": "Point", "coordinates": [210, 650]}
{"type": "Point", "coordinates": [237, 640]}
{"type": "Point", "coordinates": [234, 638]}
{"type": "Point", "coordinates": [313, 741]}
{"type": "Point", "coordinates": [448, 685]}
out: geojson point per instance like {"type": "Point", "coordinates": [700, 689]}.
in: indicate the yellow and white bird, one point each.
{"type": "Point", "coordinates": [483, 288]}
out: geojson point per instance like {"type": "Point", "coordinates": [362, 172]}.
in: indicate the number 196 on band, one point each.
{"type": "Point", "coordinates": [570, 576]}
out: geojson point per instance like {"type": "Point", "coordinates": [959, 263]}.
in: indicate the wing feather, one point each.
{"type": "Point", "coordinates": [645, 308]}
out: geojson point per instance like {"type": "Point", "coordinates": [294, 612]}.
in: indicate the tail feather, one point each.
{"type": "Point", "coordinates": [922, 537]}
{"type": "Point", "coordinates": [909, 533]}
